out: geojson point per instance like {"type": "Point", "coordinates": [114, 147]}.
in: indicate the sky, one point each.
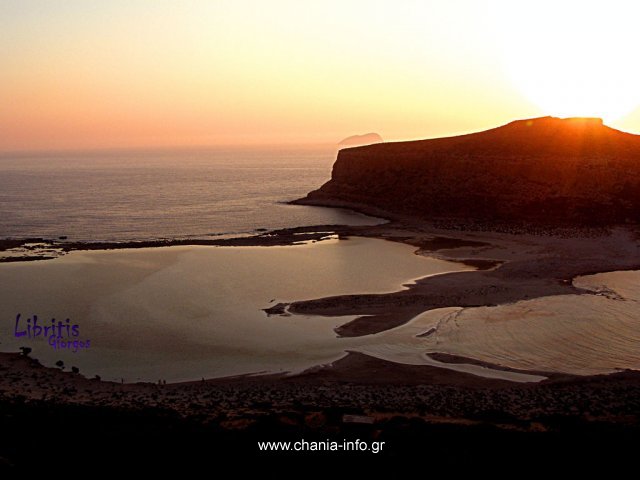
{"type": "Point", "coordinates": [79, 74]}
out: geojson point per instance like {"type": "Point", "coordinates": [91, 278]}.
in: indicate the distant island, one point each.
{"type": "Point", "coordinates": [357, 140]}
{"type": "Point", "coordinates": [541, 170]}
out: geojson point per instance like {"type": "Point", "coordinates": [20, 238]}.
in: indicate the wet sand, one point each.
{"type": "Point", "coordinates": [531, 266]}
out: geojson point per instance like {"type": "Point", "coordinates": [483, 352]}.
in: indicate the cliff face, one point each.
{"type": "Point", "coordinates": [546, 170]}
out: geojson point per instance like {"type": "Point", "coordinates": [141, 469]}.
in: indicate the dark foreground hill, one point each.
{"type": "Point", "coordinates": [543, 170]}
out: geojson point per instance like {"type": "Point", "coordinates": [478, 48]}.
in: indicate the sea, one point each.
{"type": "Point", "coordinates": [173, 193]}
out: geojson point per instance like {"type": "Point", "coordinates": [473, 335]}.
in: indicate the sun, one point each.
{"type": "Point", "coordinates": [572, 58]}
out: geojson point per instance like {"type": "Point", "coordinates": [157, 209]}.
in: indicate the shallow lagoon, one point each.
{"type": "Point", "coordinates": [182, 313]}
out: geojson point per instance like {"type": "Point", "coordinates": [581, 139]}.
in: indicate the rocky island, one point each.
{"type": "Point", "coordinates": [358, 140]}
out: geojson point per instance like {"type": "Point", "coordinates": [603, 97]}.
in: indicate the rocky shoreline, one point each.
{"type": "Point", "coordinates": [404, 406]}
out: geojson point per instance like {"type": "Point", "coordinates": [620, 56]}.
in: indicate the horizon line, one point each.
{"type": "Point", "coordinates": [25, 152]}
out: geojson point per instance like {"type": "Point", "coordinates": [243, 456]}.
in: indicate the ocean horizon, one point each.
{"type": "Point", "coordinates": [139, 194]}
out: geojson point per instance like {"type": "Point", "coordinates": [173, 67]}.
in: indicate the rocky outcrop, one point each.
{"type": "Point", "coordinates": [543, 170]}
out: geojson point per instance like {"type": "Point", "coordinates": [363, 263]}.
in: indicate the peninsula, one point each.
{"type": "Point", "coordinates": [573, 171]}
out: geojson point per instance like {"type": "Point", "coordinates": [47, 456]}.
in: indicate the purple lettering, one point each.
{"type": "Point", "coordinates": [16, 332]}
{"type": "Point", "coordinates": [37, 329]}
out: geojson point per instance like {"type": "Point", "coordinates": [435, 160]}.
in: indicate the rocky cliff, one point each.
{"type": "Point", "coordinates": [544, 170]}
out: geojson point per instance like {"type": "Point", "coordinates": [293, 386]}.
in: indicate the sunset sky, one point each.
{"type": "Point", "coordinates": [82, 74]}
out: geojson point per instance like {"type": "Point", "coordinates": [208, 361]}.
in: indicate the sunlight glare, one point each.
{"type": "Point", "coordinates": [573, 58]}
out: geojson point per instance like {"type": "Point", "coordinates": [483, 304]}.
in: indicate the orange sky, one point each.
{"type": "Point", "coordinates": [88, 74]}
